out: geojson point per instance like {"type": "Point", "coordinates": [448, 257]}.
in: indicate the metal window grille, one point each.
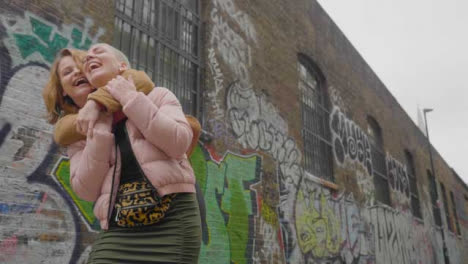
{"type": "Point", "coordinates": [415, 203]}
{"type": "Point", "coordinates": [447, 214]}
{"type": "Point", "coordinates": [433, 192]}
{"type": "Point", "coordinates": [379, 165]}
{"type": "Point", "coordinates": [318, 156]}
{"type": "Point", "coordinates": [454, 208]}
{"type": "Point", "coordinates": [162, 38]}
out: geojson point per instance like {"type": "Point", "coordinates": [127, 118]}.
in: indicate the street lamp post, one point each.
{"type": "Point", "coordinates": [427, 110]}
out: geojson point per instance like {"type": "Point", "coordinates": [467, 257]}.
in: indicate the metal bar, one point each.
{"type": "Point", "coordinates": [176, 62]}
{"type": "Point", "coordinates": [166, 43]}
{"type": "Point", "coordinates": [146, 57]}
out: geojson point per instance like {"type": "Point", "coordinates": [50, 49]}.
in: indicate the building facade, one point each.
{"type": "Point", "coordinates": [305, 156]}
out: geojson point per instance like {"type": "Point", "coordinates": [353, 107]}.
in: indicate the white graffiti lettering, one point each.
{"type": "Point", "coordinates": [349, 141]}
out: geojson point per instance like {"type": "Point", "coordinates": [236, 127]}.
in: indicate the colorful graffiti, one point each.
{"type": "Point", "coordinates": [255, 122]}
{"type": "Point", "coordinates": [268, 246]}
{"type": "Point", "coordinates": [260, 207]}
{"type": "Point", "coordinates": [34, 39]}
{"type": "Point", "coordinates": [318, 229]}
{"type": "Point", "coordinates": [331, 228]}
{"type": "Point", "coordinates": [39, 222]}
{"type": "Point", "coordinates": [61, 172]}
{"type": "Point", "coordinates": [229, 203]}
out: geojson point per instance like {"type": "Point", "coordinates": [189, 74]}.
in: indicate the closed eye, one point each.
{"type": "Point", "coordinates": [66, 71]}
{"type": "Point", "coordinates": [97, 50]}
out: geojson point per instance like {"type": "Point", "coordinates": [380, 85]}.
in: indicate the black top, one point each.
{"type": "Point", "coordinates": [129, 166]}
{"type": "Point", "coordinates": [129, 169]}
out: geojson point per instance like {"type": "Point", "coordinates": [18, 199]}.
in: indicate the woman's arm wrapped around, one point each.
{"type": "Point", "coordinates": [158, 116]}
{"type": "Point", "coordinates": [90, 160]}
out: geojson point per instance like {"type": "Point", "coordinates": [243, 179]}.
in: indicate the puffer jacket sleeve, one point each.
{"type": "Point", "coordinates": [90, 160]}
{"type": "Point", "coordinates": [161, 120]}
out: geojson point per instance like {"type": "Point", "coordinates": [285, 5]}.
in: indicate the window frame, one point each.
{"type": "Point", "coordinates": [312, 135]}
{"type": "Point", "coordinates": [176, 61]}
{"type": "Point", "coordinates": [414, 192]}
{"type": "Point", "coordinates": [434, 196]}
{"type": "Point", "coordinates": [380, 176]}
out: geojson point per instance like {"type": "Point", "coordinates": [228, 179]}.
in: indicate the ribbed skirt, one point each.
{"type": "Point", "coordinates": [175, 239]}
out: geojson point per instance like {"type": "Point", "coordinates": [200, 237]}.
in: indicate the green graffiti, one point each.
{"type": "Point", "coordinates": [198, 162]}
{"type": "Point", "coordinates": [44, 43]}
{"type": "Point", "coordinates": [228, 201]}
{"type": "Point", "coordinates": [62, 174]}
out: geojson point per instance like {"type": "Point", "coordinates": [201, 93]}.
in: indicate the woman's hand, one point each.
{"type": "Point", "coordinates": [104, 123]}
{"type": "Point", "coordinates": [119, 87]}
{"type": "Point", "coordinates": [87, 117]}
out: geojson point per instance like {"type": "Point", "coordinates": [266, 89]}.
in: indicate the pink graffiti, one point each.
{"type": "Point", "coordinates": [39, 209]}
{"type": "Point", "coordinates": [8, 247]}
{"type": "Point", "coordinates": [221, 132]}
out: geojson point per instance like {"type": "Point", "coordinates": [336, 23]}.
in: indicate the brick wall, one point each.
{"type": "Point", "coordinates": [261, 206]}
{"type": "Point", "coordinates": [41, 221]}
{"type": "Point", "coordinates": [253, 108]}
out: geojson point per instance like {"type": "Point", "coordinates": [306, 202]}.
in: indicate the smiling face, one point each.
{"type": "Point", "coordinates": [73, 81]}
{"type": "Point", "coordinates": [102, 64]}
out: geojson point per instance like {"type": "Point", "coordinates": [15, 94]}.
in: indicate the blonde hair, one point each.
{"type": "Point", "coordinates": [54, 101]}
{"type": "Point", "coordinates": [121, 57]}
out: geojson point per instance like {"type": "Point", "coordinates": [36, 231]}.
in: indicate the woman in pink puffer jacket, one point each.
{"type": "Point", "coordinates": [159, 135]}
{"type": "Point", "coordinates": [145, 143]}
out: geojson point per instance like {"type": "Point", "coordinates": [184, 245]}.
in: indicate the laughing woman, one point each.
{"type": "Point", "coordinates": [134, 167]}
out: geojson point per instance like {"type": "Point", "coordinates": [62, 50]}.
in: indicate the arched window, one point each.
{"type": "Point", "coordinates": [415, 204]}
{"type": "Point", "coordinates": [162, 38]}
{"type": "Point", "coordinates": [379, 164]}
{"type": "Point", "coordinates": [318, 159]}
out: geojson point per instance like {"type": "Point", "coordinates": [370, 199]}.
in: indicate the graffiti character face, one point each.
{"type": "Point", "coordinates": [311, 227]}
{"type": "Point", "coordinates": [103, 63]}
{"type": "Point", "coordinates": [73, 81]}
{"type": "Point", "coordinates": [312, 234]}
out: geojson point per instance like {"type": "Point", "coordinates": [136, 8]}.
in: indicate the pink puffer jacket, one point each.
{"type": "Point", "coordinates": [159, 135]}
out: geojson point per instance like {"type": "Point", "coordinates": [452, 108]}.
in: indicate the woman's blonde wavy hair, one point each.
{"type": "Point", "coordinates": [55, 102]}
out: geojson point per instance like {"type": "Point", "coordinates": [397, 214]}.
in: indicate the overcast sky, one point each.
{"type": "Point", "coordinates": [419, 49]}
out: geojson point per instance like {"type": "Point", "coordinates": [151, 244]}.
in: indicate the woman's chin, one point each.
{"type": "Point", "coordinates": [85, 90]}
{"type": "Point", "coordinates": [99, 79]}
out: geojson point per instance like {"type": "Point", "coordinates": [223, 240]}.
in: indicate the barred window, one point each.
{"type": "Point", "coordinates": [162, 38]}
{"type": "Point", "coordinates": [447, 213]}
{"type": "Point", "coordinates": [415, 203]}
{"type": "Point", "coordinates": [433, 193]}
{"type": "Point", "coordinates": [379, 164]}
{"type": "Point", "coordinates": [454, 211]}
{"type": "Point", "coordinates": [318, 159]}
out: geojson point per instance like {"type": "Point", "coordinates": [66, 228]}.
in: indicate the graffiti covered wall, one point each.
{"type": "Point", "coordinates": [42, 221]}
{"type": "Point", "coordinates": [260, 206]}
{"type": "Point", "coordinates": [295, 218]}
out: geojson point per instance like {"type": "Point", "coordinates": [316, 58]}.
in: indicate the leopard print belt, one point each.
{"type": "Point", "coordinates": [138, 204]}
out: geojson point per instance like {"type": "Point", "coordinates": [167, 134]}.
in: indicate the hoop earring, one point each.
{"type": "Point", "coordinates": [58, 109]}
{"type": "Point", "coordinates": [67, 99]}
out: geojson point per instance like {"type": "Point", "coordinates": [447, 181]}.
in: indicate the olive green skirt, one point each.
{"type": "Point", "coordinates": [175, 239]}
